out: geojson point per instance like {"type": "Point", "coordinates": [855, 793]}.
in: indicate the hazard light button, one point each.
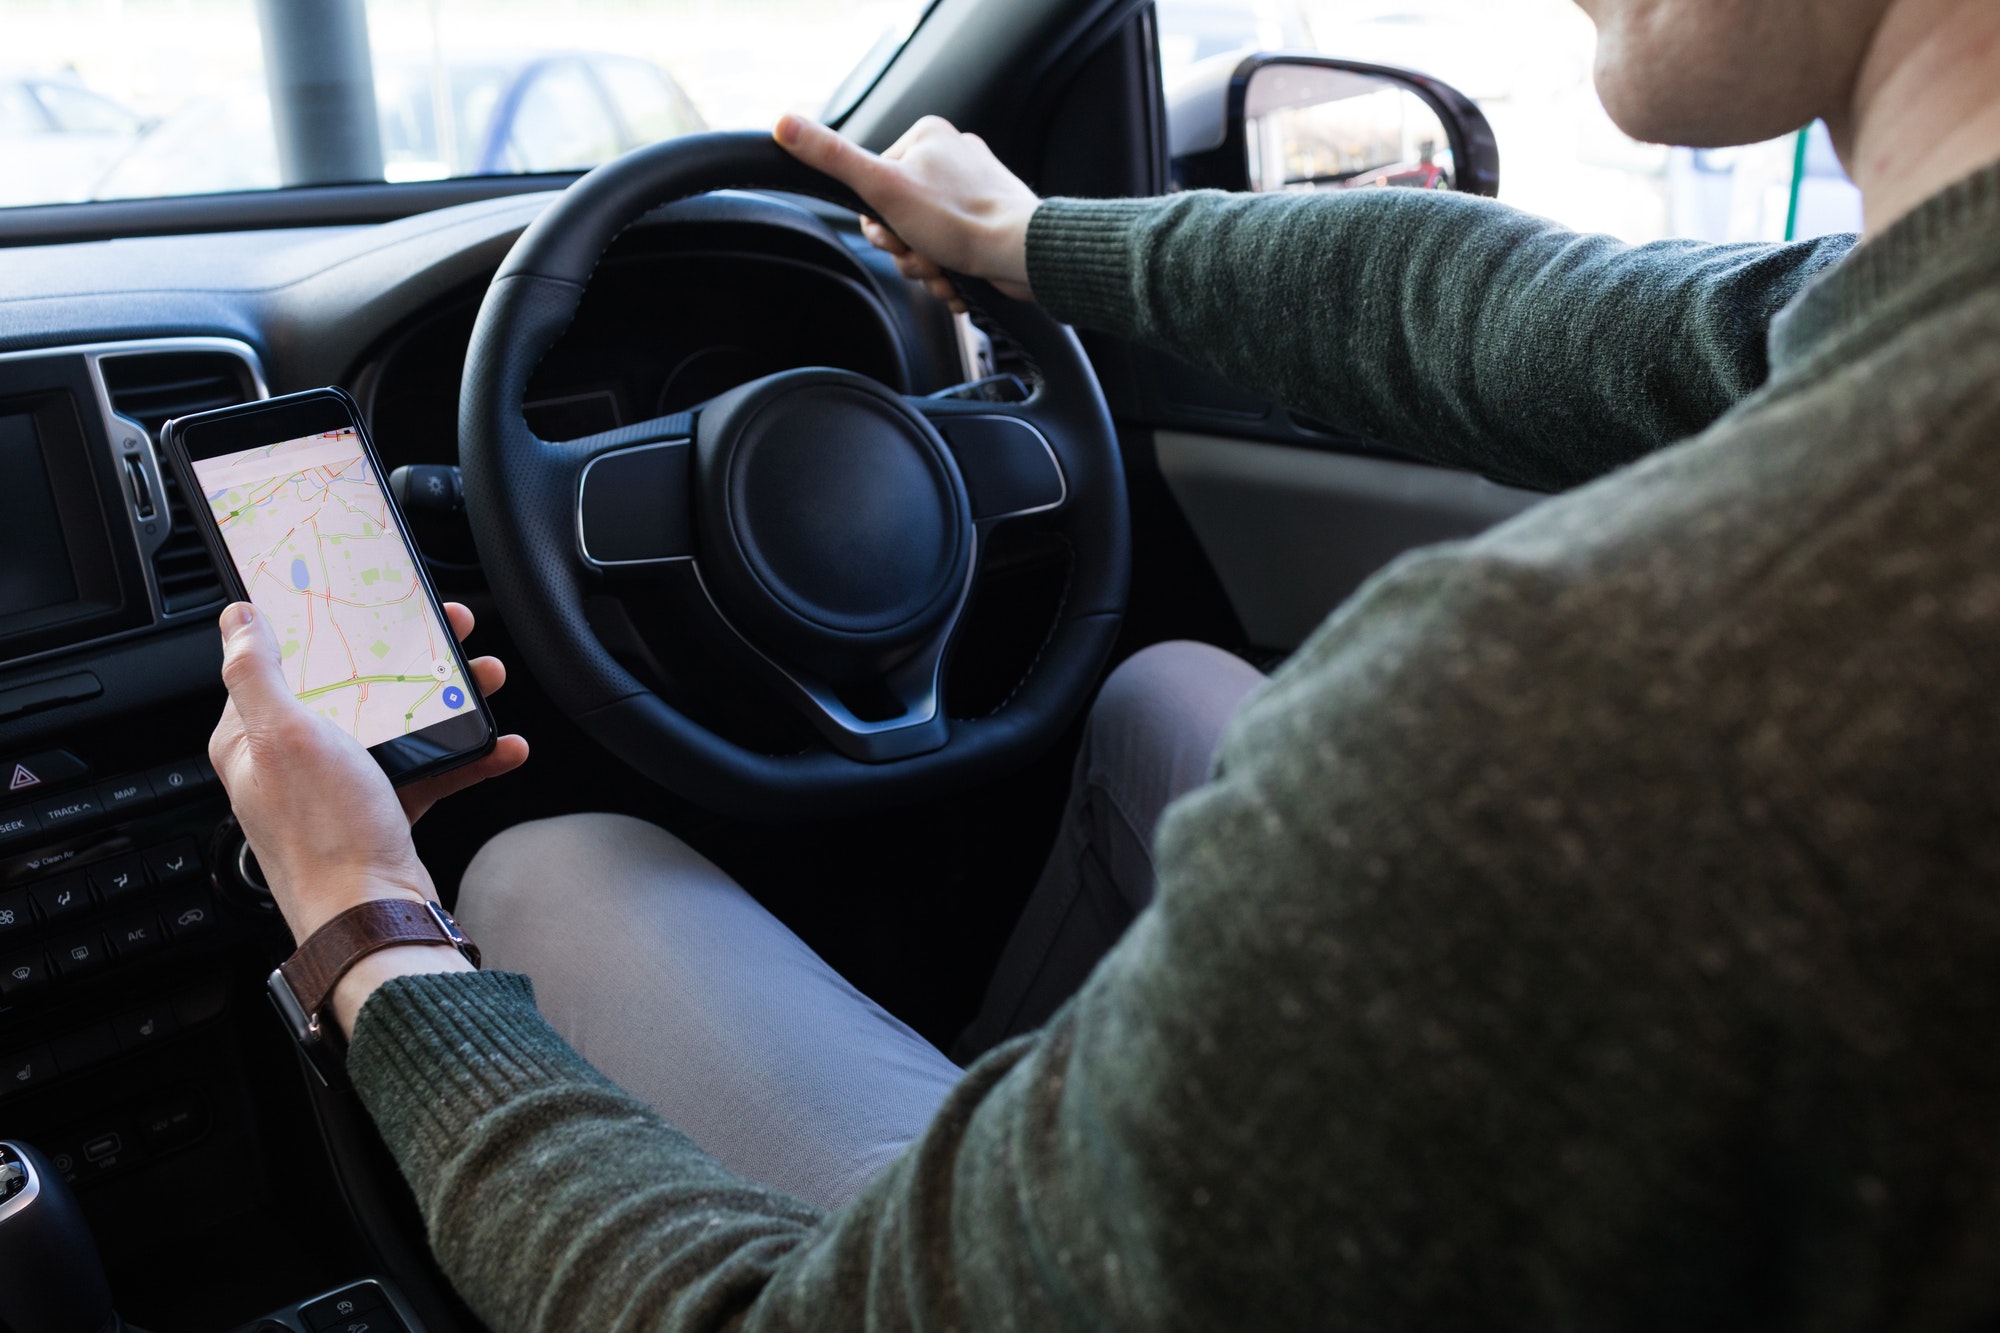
{"type": "Point", "coordinates": [34, 774]}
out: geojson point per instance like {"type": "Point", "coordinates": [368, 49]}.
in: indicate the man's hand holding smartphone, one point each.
{"type": "Point", "coordinates": [329, 830]}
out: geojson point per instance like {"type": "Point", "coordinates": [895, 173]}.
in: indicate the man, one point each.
{"type": "Point", "coordinates": [1592, 927]}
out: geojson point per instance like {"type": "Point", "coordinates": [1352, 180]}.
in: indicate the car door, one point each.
{"type": "Point", "coordinates": [1291, 514]}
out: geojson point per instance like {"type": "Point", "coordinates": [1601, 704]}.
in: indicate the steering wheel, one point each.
{"type": "Point", "coordinates": [832, 526]}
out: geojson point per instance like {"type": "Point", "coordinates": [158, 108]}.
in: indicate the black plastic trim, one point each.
{"type": "Point", "coordinates": [259, 210]}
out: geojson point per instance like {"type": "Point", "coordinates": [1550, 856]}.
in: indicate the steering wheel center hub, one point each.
{"type": "Point", "coordinates": [834, 527]}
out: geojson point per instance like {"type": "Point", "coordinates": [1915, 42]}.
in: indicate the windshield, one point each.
{"type": "Point", "coordinates": [115, 99]}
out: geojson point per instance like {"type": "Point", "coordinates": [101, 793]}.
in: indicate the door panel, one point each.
{"type": "Point", "coordinates": [1293, 532]}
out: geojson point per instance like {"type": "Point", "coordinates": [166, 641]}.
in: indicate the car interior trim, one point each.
{"type": "Point", "coordinates": [1292, 533]}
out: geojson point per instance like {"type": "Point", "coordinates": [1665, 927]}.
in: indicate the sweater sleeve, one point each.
{"type": "Point", "coordinates": [1328, 1080]}
{"type": "Point", "coordinates": [1451, 327]}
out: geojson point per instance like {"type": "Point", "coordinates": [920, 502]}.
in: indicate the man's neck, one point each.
{"type": "Point", "coordinates": [1926, 108]}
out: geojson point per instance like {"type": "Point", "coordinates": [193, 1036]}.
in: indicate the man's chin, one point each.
{"type": "Point", "coordinates": [1690, 115]}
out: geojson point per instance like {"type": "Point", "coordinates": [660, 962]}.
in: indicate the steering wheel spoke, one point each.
{"type": "Point", "coordinates": [1010, 466]}
{"type": "Point", "coordinates": [634, 514]}
{"type": "Point", "coordinates": [896, 714]}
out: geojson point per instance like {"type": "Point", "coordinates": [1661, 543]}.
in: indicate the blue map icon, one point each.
{"type": "Point", "coordinates": [454, 697]}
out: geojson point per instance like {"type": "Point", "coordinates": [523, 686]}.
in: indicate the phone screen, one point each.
{"type": "Point", "coordinates": [308, 528]}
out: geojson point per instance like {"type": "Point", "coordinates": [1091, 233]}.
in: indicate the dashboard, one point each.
{"type": "Point", "coordinates": [124, 885]}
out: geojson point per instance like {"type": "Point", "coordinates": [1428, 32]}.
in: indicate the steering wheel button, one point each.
{"type": "Point", "coordinates": [62, 897]}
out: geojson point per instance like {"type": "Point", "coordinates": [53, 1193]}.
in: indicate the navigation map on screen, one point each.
{"type": "Point", "coordinates": [308, 527]}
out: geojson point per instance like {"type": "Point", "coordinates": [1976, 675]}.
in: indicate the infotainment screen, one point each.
{"type": "Point", "coordinates": [308, 528]}
{"type": "Point", "coordinates": [35, 569]}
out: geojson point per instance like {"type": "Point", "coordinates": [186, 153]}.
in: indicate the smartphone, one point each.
{"type": "Point", "coordinates": [289, 493]}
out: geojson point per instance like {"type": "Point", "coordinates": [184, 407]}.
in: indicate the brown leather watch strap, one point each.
{"type": "Point", "coordinates": [382, 923]}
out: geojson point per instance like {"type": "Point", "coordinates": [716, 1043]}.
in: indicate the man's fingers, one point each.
{"type": "Point", "coordinates": [250, 667]}
{"type": "Point", "coordinates": [823, 150]}
{"type": "Point", "coordinates": [460, 616]}
{"type": "Point", "coordinates": [509, 753]}
{"type": "Point", "coordinates": [489, 674]}
{"type": "Point", "coordinates": [882, 238]}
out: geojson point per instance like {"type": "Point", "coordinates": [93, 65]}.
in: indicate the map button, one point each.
{"type": "Point", "coordinates": [126, 795]}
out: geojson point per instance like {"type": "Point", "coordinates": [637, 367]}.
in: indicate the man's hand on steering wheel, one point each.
{"type": "Point", "coordinates": [948, 202]}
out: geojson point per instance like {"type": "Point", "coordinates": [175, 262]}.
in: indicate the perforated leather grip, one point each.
{"type": "Point", "coordinates": [332, 950]}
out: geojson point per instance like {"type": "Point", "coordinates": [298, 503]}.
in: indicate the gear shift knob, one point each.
{"type": "Point", "coordinates": [54, 1281]}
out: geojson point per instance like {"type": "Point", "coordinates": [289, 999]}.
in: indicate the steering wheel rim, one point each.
{"type": "Point", "coordinates": [526, 499]}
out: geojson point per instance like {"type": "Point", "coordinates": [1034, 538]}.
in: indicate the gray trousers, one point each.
{"type": "Point", "coordinates": [672, 980]}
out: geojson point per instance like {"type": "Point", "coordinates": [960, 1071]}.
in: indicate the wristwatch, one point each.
{"type": "Point", "coordinates": [302, 986]}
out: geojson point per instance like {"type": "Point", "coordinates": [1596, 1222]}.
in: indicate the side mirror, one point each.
{"type": "Point", "coordinates": [1294, 122]}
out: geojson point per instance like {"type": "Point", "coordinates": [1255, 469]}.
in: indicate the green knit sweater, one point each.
{"type": "Point", "coordinates": [1595, 926]}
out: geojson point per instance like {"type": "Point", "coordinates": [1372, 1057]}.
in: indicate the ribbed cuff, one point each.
{"type": "Point", "coordinates": [1084, 260]}
{"type": "Point", "coordinates": [432, 1054]}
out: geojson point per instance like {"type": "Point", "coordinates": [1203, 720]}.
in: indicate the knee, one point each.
{"type": "Point", "coordinates": [1163, 693]}
{"type": "Point", "coordinates": [517, 869]}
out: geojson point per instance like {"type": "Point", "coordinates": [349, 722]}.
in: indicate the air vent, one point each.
{"type": "Point", "coordinates": [151, 389]}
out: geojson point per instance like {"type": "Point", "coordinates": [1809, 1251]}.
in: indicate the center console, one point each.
{"type": "Point", "coordinates": [138, 1051]}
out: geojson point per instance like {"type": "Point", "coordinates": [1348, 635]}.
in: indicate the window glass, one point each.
{"type": "Point", "coordinates": [649, 105]}
{"type": "Point", "coordinates": [1528, 65]}
{"type": "Point", "coordinates": [559, 122]}
{"type": "Point", "coordinates": [20, 114]}
{"type": "Point", "coordinates": [178, 96]}
{"type": "Point", "coordinates": [76, 111]}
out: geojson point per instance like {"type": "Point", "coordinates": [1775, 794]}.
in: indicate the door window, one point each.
{"type": "Point", "coordinates": [1528, 65]}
